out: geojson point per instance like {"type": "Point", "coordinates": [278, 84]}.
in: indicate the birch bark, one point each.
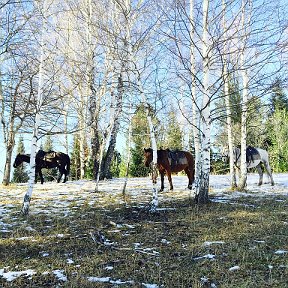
{"type": "Point", "coordinates": [203, 164]}
{"type": "Point", "coordinates": [155, 201]}
{"type": "Point", "coordinates": [128, 148]}
{"type": "Point", "coordinates": [245, 79]}
{"type": "Point", "coordinates": [195, 118]}
{"type": "Point", "coordinates": [115, 125]}
{"type": "Point", "coordinates": [31, 181]}
{"type": "Point", "coordinates": [227, 101]}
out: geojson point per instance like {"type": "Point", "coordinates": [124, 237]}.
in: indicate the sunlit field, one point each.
{"type": "Point", "coordinates": [74, 237]}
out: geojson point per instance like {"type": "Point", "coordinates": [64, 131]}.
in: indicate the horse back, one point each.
{"type": "Point", "coordinates": [175, 161]}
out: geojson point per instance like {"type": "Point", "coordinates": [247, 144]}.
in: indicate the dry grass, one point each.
{"type": "Point", "coordinates": [164, 248]}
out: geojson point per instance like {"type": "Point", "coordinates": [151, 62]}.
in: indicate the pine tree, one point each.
{"type": "Point", "coordinates": [141, 140]}
{"type": "Point", "coordinates": [174, 136]}
{"type": "Point", "coordinates": [278, 99]}
{"type": "Point", "coordinates": [20, 174]}
{"type": "Point", "coordinates": [49, 174]}
{"type": "Point", "coordinates": [75, 159]}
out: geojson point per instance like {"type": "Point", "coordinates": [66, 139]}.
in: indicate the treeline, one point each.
{"type": "Point", "coordinates": [267, 128]}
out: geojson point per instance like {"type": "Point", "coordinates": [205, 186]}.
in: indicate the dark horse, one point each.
{"type": "Point", "coordinates": [47, 160]}
{"type": "Point", "coordinates": [172, 161]}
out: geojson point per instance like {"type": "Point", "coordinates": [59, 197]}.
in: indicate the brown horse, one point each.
{"type": "Point", "coordinates": [47, 160]}
{"type": "Point", "coordinates": [171, 161]}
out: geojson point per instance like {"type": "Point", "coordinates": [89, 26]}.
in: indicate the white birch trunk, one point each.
{"type": "Point", "coordinates": [84, 96]}
{"type": "Point", "coordinates": [195, 118]}
{"type": "Point", "coordinates": [107, 134]}
{"type": "Point", "coordinates": [227, 103]}
{"type": "Point", "coordinates": [203, 164]}
{"type": "Point", "coordinates": [129, 149]}
{"type": "Point", "coordinates": [82, 142]}
{"type": "Point", "coordinates": [243, 168]}
{"type": "Point", "coordinates": [244, 74]}
{"type": "Point", "coordinates": [31, 181]}
{"type": "Point", "coordinates": [155, 201]}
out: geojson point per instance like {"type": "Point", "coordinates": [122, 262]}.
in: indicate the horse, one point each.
{"type": "Point", "coordinates": [171, 161]}
{"type": "Point", "coordinates": [254, 157]}
{"type": "Point", "coordinates": [49, 160]}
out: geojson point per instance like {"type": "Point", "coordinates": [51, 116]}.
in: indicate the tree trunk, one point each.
{"type": "Point", "coordinates": [195, 118]}
{"type": "Point", "coordinates": [243, 168]}
{"type": "Point", "coordinates": [155, 201]}
{"type": "Point", "coordinates": [105, 173]}
{"type": "Point", "coordinates": [203, 164]}
{"type": "Point", "coordinates": [129, 150]}
{"type": "Point", "coordinates": [31, 181]}
{"type": "Point", "coordinates": [227, 103]}
{"type": "Point", "coordinates": [7, 167]}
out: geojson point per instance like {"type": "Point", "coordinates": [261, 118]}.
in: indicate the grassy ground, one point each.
{"type": "Point", "coordinates": [171, 248]}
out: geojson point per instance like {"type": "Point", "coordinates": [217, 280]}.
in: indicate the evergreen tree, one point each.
{"type": "Point", "coordinates": [278, 98]}
{"type": "Point", "coordinates": [49, 174]}
{"type": "Point", "coordinates": [20, 175]}
{"type": "Point", "coordinates": [174, 135]}
{"type": "Point", "coordinates": [141, 140]}
{"type": "Point", "coordinates": [75, 159]}
{"type": "Point", "coordinates": [277, 128]}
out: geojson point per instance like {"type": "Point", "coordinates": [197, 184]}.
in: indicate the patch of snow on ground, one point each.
{"type": "Point", "coordinates": [60, 275]}
{"type": "Point", "coordinates": [280, 252]}
{"type": "Point", "coordinates": [234, 268]}
{"type": "Point", "coordinates": [12, 275]}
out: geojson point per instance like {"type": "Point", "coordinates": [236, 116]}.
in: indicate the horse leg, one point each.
{"type": "Point", "coordinates": [190, 177]}
{"type": "Point", "coordinates": [260, 172]}
{"type": "Point", "coordinates": [41, 176]}
{"type": "Point", "coordinates": [162, 181]}
{"type": "Point", "coordinates": [60, 175]}
{"type": "Point", "coordinates": [268, 169]}
{"type": "Point", "coordinates": [169, 179]}
{"type": "Point", "coordinates": [65, 175]}
{"type": "Point", "coordinates": [36, 173]}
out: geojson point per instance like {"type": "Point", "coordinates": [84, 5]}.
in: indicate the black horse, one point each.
{"type": "Point", "coordinates": [49, 160]}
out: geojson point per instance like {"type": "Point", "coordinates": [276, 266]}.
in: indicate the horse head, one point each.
{"type": "Point", "coordinates": [148, 156]}
{"type": "Point", "coordinates": [17, 161]}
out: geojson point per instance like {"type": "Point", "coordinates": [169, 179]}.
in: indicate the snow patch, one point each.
{"type": "Point", "coordinates": [279, 252]}
{"type": "Point", "coordinates": [12, 275]}
{"type": "Point", "coordinates": [234, 268]}
{"type": "Point", "coordinates": [60, 275]}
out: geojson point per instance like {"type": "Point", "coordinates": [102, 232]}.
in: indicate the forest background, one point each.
{"type": "Point", "coordinates": [106, 65]}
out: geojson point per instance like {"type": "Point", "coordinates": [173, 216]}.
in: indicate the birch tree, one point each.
{"type": "Point", "coordinates": [33, 148]}
{"type": "Point", "coordinates": [227, 99]}
{"type": "Point", "coordinates": [17, 72]}
{"type": "Point", "coordinates": [195, 115]}
{"type": "Point", "coordinates": [203, 164]}
{"type": "Point", "coordinates": [245, 79]}
{"type": "Point", "coordinates": [136, 74]}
